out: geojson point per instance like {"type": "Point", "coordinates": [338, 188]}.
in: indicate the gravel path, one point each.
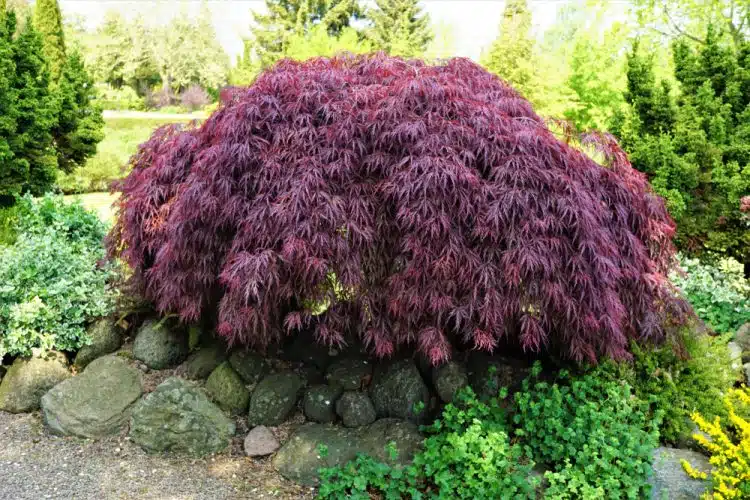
{"type": "Point", "coordinates": [36, 465]}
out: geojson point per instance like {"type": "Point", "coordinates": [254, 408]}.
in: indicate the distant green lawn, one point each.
{"type": "Point", "coordinates": [101, 203]}
{"type": "Point", "coordinates": [122, 135]}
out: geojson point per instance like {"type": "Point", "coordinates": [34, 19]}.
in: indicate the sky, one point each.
{"type": "Point", "coordinates": [472, 24]}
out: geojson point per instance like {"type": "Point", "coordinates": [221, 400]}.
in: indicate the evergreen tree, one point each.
{"type": "Point", "coordinates": [35, 113]}
{"type": "Point", "coordinates": [111, 51]}
{"type": "Point", "coordinates": [79, 122]}
{"type": "Point", "coordinates": [400, 27]}
{"type": "Point", "coordinates": [511, 55]}
{"type": "Point", "coordinates": [11, 179]}
{"type": "Point", "coordinates": [286, 18]}
{"type": "Point", "coordinates": [695, 148]}
{"type": "Point", "coordinates": [48, 21]}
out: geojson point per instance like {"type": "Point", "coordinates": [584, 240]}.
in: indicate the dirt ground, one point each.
{"type": "Point", "coordinates": [36, 465]}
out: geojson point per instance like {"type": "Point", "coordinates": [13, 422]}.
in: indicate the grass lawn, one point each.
{"type": "Point", "coordinates": [101, 203]}
{"type": "Point", "coordinates": [122, 135]}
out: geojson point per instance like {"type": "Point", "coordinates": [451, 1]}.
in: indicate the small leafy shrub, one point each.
{"type": "Point", "coordinates": [719, 293]}
{"type": "Point", "coordinates": [467, 455]}
{"type": "Point", "coordinates": [593, 434]}
{"type": "Point", "coordinates": [194, 98]}
{"type": "Point", "coordinates": [728, 442]}
{"type": "Point", "coordinates": [122, 99]}
{"type": "Point", "coordinates": [690, 374]}
{"type": "Point", "coordinates": [434, 194]}
{"type": "Point", "coordinates": [51, 282]}
{"type": "Point", "coordinates": [160, 98]}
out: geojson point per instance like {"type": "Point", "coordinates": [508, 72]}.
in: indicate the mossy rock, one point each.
{"type": "Point", "coordinates": [28, 379]}
{"type": "Point", "coordinates": [274, 399]}
{"type": "Point", "coordinates": [225, 387]}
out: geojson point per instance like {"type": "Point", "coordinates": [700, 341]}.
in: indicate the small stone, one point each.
{"type": "Point", "coordinates": [398, 390]}
{"type": "Point", "coordinates": [349, 373]}
{"type": "Point", "coordinates": [250, 365]}
{"type": "Point", "coordinates": [28, 379]}
{"type": "Point", "coordinates": [159, 346]}
{"type": "Point", "coordinates": [742, 338]}
{"type": "Point", "coordinates": [260, 441]}
{"type": "Point", "coordinates": [746, 367]}
{"type": "Point", "coordinates": [274, 399]}
{"type": "Point", "coordinates": [320, 401]}
{"type": "Point", "coordinates": [106, 338]}
{"type": "Point", "coordinates": [448, 379]}
{"type": "Point", "coordinates": [355, 409]}
{"type": "Point", "coordinates": [226, 388]}
{"type": "Point", "coordinates": [179, 417]}
{"type": "Point", "coordinates": [95, 403]}
{"type": "Point", "coordinates": [202, 362]}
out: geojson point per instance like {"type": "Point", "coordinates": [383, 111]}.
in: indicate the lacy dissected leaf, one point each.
{"type": "Point", "coordinates": [420, 204]}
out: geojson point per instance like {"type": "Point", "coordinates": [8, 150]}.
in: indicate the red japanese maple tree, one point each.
{"type": "Point", "coordinates": [424, 204]}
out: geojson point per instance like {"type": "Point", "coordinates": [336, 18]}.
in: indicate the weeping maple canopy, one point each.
{"type": "Point", "coordinates": [425, 205]}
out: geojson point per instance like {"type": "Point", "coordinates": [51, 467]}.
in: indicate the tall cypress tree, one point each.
{"type": "Point", "coordinates": [286, 18]}
{"type": "Point", "coordinates": [35, 113]}
{"type": "Point", "coordinates": [48, 21]}
{"type": "Point", "coordinates": [79, 122]}
{"type": "Point", "coordinates": [511, 54]}
{"type": "Point", "coordinates": [400, 27]}
{"type": "Point", "coordinates": [11, 180]}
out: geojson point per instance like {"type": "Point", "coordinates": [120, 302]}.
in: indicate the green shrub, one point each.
{"type": "Point", "coordinates": [690, 374]}
{"type": "Point", "coordinates": [596, 438]}
{"type": "Point", "coordinates": [719, 293]}
{"type": "Point", "coordinates": [124, 98]}
{"type": "Point", "coordinates": [467, 454]}
{"type": "Point", "coordinates": [51, 282]}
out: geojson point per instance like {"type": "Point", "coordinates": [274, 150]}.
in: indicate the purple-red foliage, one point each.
{"type": "Point", "coordinates": [194, 98]}
{"type": "Point", "coordinates": [433, 195]}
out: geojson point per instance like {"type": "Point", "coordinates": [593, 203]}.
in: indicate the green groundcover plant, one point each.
{"type": "Point", "coordinates": [52, 278]}
{"type": "Point", "coordinates": [592, 434]}
{"type": "Point", "coordinates": [718, 291]}
{"type": "Point", "coordinates": [467, 454]}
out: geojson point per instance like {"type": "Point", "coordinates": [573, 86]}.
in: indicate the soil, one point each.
{"type": "Point", "coordinates": [37, 465]}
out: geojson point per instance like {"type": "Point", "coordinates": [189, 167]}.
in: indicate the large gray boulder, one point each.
{"type": "Point", "coordinates": [250, 365]}
{"type": "Point", "coordinates": [227, 390]}
{"type": "Point", "coordinates": [106, 338]}
{"type": "Point", "coordinates": [202, 362]}
{"type": "Point", "coordinates": [448, 379]}
{"type": "Point", "coordinates": [28, 379]}
{"type": "Point", "coordinates": [670, 480]}
{"type": "Point", "coordinates": [96, 403]}
{"type": "Point", "coordinates": [398, 391]}
{"type": "Point", "coordinates": [178, 417]}
{"type": "Point", "coordinates": [159, 346]}
{"type": "Point", "coordinates": [274, 399]}
{"type": "Point", "coordinates": [300, 457]}
{"type": "Point", "coordinates": [349, 373]}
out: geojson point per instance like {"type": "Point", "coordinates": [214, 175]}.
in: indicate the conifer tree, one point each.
{"type": "Point", "coordinates": [694, 148]}
{"type": "Point", "coordinates": [286, 18]}
{"type": "Point", "coordinates": [511, 54]}
{"type": "Point", "coordinates": [400, 27]}
{"type": "Point", "coordinates": [79, 122]}
{"type": "Point", "coordinates": [48, 21]}
{"type": "Point", "coordinates": [11, 180]}
{"type": "Point", "coordinates": [35, 113]}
